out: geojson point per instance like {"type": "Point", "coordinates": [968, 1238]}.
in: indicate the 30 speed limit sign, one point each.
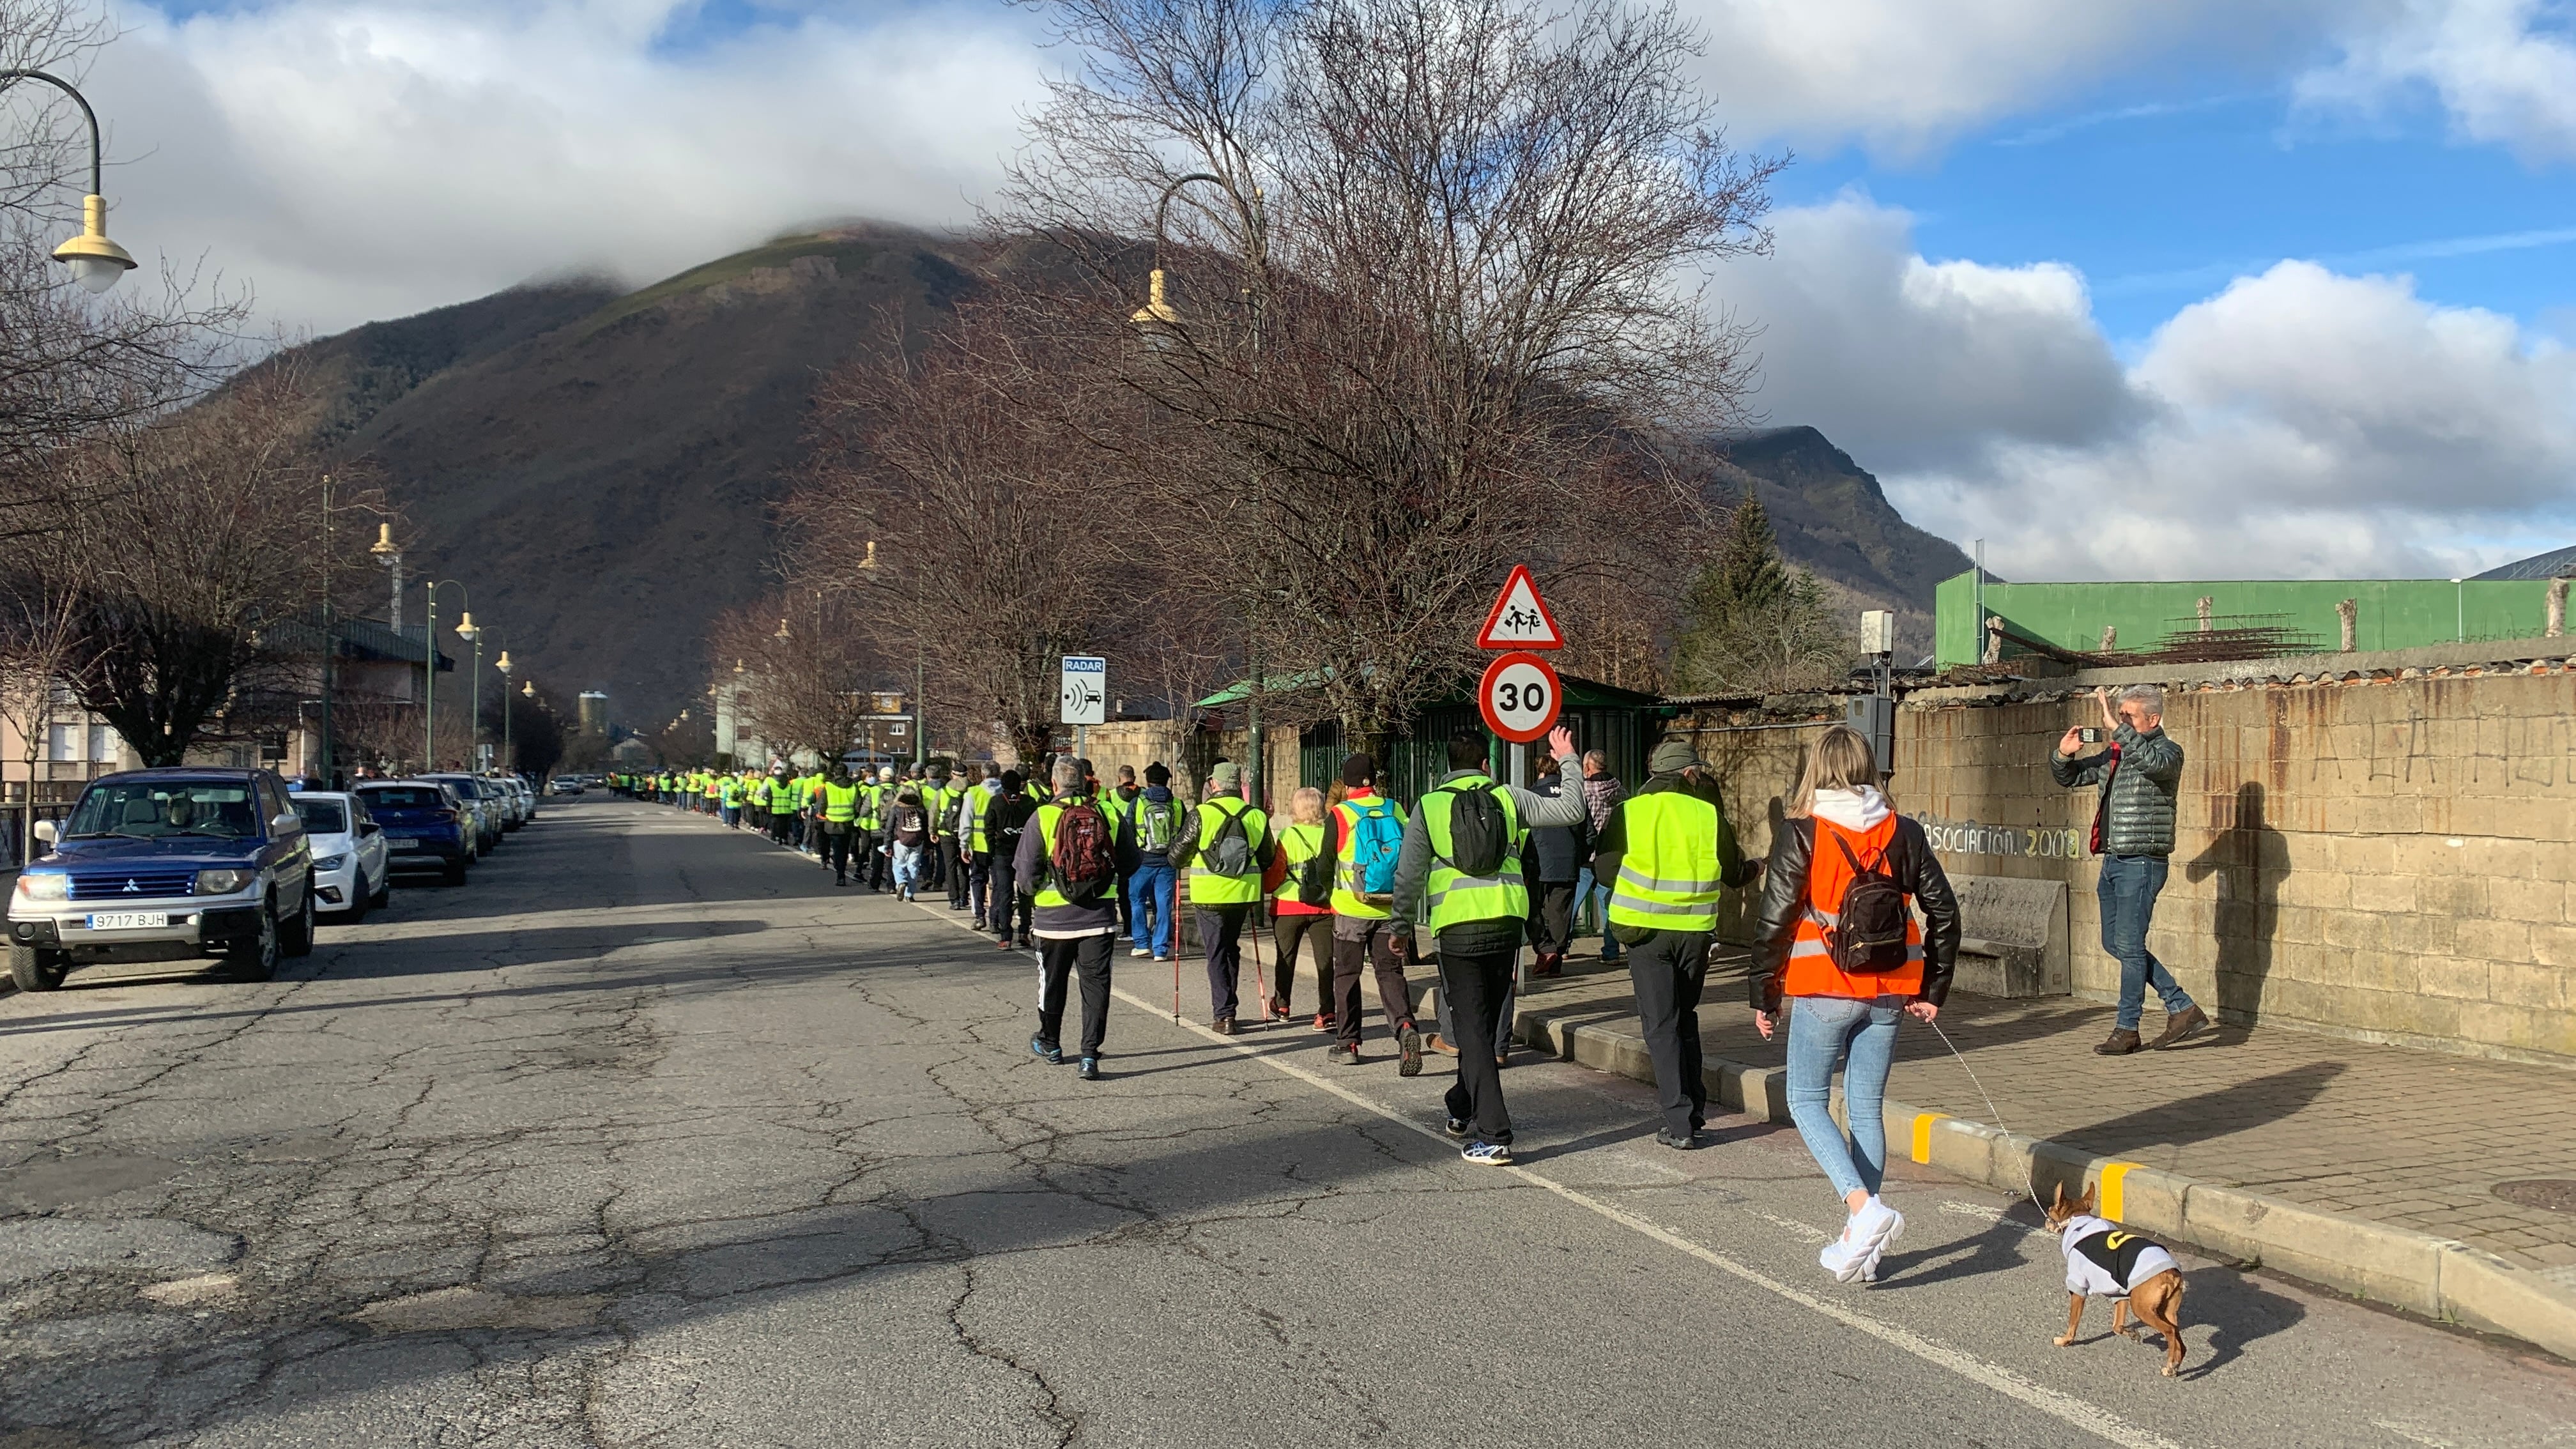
{"type": "Point", "coordinates": [1519, 697]}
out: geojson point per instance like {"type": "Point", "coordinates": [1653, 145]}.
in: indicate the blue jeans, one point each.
{"type": "Point", "coordinates": [1150, 889]}
{"type": "Point", "coordinates": [2130, 884]}
{"type": "Point", "coordinates": [1863, 1034]}
{"type": "Point", "coordinates": [907, 867]}
{"type": "Point", "coordinates": [1592, 896]}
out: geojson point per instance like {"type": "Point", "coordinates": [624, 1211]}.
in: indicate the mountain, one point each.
{"type": "Point", "coordinates": [1833, 518]}
{"type": "Point", "coordinates": [597, 466]}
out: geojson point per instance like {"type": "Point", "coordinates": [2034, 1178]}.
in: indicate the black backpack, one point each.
{"type": "Point", "coordinates": [1868, 934]}
{"type": "Point", "coordinates": [1480, 835]}
{"type": "Point", "coordinates": [1314, 877]}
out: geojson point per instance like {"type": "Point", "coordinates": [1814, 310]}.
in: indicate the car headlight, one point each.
{"type": "Point", "coordinates": [223, 882]}
{"type": "Point", "coordinates": [331, 862]}
{"type": "Point", "coordinates": [44, 886]}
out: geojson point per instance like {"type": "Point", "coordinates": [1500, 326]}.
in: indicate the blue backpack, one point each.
{"type": "Point", "coordinates": [1376, 839]}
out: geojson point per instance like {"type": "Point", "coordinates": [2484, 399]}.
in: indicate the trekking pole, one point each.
{"type": "Point", "coordinates": [1258, 984]}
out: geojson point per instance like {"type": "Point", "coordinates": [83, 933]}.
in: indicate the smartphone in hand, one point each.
{"type": "Point", "coordinates": [2089, 734]}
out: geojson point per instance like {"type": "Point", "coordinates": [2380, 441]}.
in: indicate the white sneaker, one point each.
{"type": "Point", "coordinates": [1843, 1259]}
{"type": "Point", "coordinates": [1141, 952]}
{"type": "Point", "coordinates": [1875, 1226]}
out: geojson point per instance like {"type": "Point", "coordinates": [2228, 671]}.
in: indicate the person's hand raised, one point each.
{"type": "Point", "coordinates": [1560, 743]}
{"type": "Point", "coordinates": [2070, 742]}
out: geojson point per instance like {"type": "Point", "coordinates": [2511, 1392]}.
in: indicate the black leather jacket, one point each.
{"type": "Point", "coordinates": [1784, 904]}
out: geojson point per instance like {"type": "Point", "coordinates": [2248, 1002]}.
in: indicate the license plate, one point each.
{"type": "Point", "coordinates": [405, 845]}
{"type": "Point", "coordinates": [128, 920]}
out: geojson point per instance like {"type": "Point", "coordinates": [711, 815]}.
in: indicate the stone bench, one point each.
{"type": "Point", "coordinates": [2012, 936]}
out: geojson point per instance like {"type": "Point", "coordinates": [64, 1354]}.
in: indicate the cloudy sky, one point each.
{"type": "Point", "coordinates": [2127, 288]}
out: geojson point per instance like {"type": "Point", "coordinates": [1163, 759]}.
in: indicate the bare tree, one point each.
{"type": "Point", "coordinates": [1432, 308]}
{"type": "Point", "coordinates": [963, 468]}
{"type": "Point", "coordinates": [192, 564]}
{"type": "Point", "coordinates": [798, 683]}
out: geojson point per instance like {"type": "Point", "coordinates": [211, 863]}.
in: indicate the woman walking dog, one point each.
{"type": "Point", "coordinates": [1842, 952]}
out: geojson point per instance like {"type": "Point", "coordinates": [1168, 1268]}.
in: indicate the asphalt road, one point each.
{"type": "Point", "coordinates": [649, 1136]}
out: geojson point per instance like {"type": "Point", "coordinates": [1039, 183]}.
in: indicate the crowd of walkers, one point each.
{"type": "Point", "coordinates": [1857, 930]}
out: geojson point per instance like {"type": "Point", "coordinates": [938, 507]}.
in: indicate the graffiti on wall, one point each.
{"type": "Point", "coordinates": [1956, 837]}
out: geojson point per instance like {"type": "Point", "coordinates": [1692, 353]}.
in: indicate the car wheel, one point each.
{"type": "Point", "coordinates": [295, 937]}
{"type": "Point", "coordinates": [384, 890]}
{"type": "Point", "coordinates": [256, 959]}
{"type": "Point", "coordinates": [455, 873]}
{"type": "Point", "coordinates": [35, 968]}
{"type": "Point", "coordinates": [359, 900]}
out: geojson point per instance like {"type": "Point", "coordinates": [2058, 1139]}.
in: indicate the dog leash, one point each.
{"type": "Point", "coordinates": [2029, 1183]}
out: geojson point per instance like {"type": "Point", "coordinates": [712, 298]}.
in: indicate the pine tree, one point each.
{"type": "Point", "coordinates": [1754, 624]}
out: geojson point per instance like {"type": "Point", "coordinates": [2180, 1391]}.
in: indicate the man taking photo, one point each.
{"type": "Point", "coordinates": [2133, 834]}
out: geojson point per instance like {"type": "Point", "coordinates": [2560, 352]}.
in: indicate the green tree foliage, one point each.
{"type": "Point", "coordinates": [1753, 624]}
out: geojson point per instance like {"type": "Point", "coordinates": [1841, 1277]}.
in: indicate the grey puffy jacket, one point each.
{"type": "Point", "coordinates": [2138, 817]}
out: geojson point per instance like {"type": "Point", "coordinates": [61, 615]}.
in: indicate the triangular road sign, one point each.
{"type": "Point", "coordinates": [1520, 619]}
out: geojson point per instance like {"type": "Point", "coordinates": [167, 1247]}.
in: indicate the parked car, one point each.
{"type": "Point", "coordinates": [350, 874]}
{"type": "Point", "coordinates": [426, 826]}
{"type": "Point", "coordinates": [566, 785]}
{"type": "Point", "coordinates": [166, 865]}
{"type": "Point", "coordinates": [484, 805]}
{"type": "Point", "coordinates": [514, 805]}
{"type": "Point", "coordinates": [527, 796]}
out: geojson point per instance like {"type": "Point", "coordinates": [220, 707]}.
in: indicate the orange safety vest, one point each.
{"type": "Point", "coordinates": [1811, 972]}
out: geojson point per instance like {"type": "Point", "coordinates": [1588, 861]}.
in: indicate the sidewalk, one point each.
{"type": "Point", "coordinates": [2414, 1144]}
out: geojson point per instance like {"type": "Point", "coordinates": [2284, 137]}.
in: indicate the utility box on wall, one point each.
{"type": "Point", "coordinates": [1873, 718]}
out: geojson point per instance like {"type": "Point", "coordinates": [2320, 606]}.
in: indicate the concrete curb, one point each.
{"type": "Point", "coordinates": [2435, 1277]}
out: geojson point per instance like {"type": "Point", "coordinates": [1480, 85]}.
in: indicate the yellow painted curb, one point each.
{"type": "Point", "coordinates": [1923, 1134]}
{"type": "Point", "coordinates": [2114, 1175]}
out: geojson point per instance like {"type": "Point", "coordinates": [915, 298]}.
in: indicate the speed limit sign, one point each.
{"type": "Point", "coordinates": [1519, 697]}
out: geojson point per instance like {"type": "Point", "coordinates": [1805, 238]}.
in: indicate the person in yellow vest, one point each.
{"type": "Point", "coordinates": [1155, 820]}
{"type": "Point", "coordinates": [1076, 923]}
{"type": "Point", "coordinates": [1120, 802]}
{"type": "Point", "coordinates": [1667, 852]}
{"type": "Point", "coordinates": [1365, 834]}
{"type": "Point", "coordinates": [880, 838]}
{"type": "Point", "coordinates": [1299, 885]}
{"type": "Point", "coordinates": [939, 795]}
{"type": "Point", "coordinates": [1478, 917]}
{"type": "Point", "coordinates": [1225, 844]}
{"type": "Point", "coordinates": [837, 819]}
{"type": "Point", "coordinates": [974, 849]}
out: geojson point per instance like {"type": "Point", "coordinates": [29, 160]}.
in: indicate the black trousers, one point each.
{"type": "Point", "coordinates": [952, 869]}
{"type": "Point", "coordinates": [836, 850]}
{"type": "Point", "coordinates": [1086, 957]}
{"type": "Point", "coordinates": [1221, 927]}
{"type": "Point", "coordinates": [1477, 985]}
{"type": "Point", "coordinates": [1317, 933]}
{"type": "Point", "coordinates": [1669, 969]}
{"type": "Point", "coordinates": [1551, 922]}
{"type": "Point", "coordinates": [880, 858]}
{"type": "Point", "coordinates": [979, 878]}
{"type": "Point", "coordinates": [1394, 994]}
{"type": "Point", "coordinates": [1007, 901]}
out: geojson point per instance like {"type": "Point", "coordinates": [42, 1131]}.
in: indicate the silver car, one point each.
{"type": "Point", "coordinates": [351, 870]}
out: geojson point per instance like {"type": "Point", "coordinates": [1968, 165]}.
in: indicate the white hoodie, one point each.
{"type": "Point", "coordinates": [1856, 810]}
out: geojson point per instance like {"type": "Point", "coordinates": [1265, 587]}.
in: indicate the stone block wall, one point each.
{"type": "Point", "coordinates": [2384, 853]}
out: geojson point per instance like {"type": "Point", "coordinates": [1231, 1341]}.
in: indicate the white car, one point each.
{"type": "Point", "coordinates": [350, 874]}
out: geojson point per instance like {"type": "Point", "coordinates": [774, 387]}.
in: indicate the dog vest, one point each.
{"type": "Point", "coordinates": [2103, 1261]}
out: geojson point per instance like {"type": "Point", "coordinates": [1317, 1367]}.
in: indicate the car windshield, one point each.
{"type": "Point", "coordinates": [405, 797]}
{"type": "Point", "coordinates": [324, 817]}
{"type": "Point", "coordinates": [150, 809]}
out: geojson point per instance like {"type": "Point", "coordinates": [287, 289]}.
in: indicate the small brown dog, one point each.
{"type": "Point", "coordinates": [2138, 1276]}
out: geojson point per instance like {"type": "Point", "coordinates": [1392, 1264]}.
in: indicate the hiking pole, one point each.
{"type": "Point", "coordinates": [1259, 984]}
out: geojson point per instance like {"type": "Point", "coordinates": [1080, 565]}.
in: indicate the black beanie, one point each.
{"type": "Point", "coordinates": [1357, 769]}
{"type": "Point", "coordinates": [1158, 773]}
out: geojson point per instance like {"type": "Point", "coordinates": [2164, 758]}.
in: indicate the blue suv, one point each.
{"type": "Point", "coordinates": [167, 865]}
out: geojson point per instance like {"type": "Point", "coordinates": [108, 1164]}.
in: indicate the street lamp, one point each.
{"type": "Point", "coordinates": [96, 263]}
{"type": "Point", "coordinates": [429, 691]}
{"type": "Point", "coordinates": [503, 664]}
{"type": "Point", "coordinates": [1160, 326]}
{"type": "Point", "coordinates": [474, 694]}
{"type": "Point", "coordinates": [390, 557]}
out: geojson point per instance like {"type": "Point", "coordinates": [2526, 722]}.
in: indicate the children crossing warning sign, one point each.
{"type": "Point", "coordinates": [1520, 619]}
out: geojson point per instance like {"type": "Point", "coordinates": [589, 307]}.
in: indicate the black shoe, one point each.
{"type": "Point", "coordinates": [1678, 1141]}
{"type": "Point", "coordinates": [1408, 1051]}
{"type": "Point", "coordinates": [1457, 1126]}
{"type": "Point", "coordinates": [1089, 1071]}
{"type": "Point", "coordinates": [1343, 1055]}
{"type": "Point", "coordinates": [1046, 1051]}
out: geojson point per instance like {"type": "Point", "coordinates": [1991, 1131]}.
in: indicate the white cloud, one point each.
{"type": "Point", "coordinates": [2300, 422]}
{"type": "Point", "coordinates": [2503, 70]}
{"type": "Point", "coordinates": [362, 161]}
{"type": "Point", "coordinates": [1906, 75]}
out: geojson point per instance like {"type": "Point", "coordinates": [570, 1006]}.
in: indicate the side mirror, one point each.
{"type": "Point", "coordinates": [286, 822]}
{"type": "Point", "coordinates": [369, 827]}
{"type": "Point", "coordinates": [48, 832]}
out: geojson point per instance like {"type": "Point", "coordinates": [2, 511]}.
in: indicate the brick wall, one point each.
{"type": "Point", "coordinates": [2383, 852]}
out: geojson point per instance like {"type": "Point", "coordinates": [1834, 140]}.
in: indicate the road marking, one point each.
{"type": "Point", "coordinates": [1923, 1134]}
{"type": "Point", "coordinates": [2061, 1406]}
{"type": "Point", "coordinates": [2412, 1435]}
{"type": "Point", "coordinates": [1809, 1232]}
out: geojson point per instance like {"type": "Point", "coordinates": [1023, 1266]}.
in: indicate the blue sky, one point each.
{"type": "Point", "coordinates": [2151, 288]}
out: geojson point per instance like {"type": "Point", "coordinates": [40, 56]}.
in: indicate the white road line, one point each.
{"type": "Point", "coordinates": [2066, 1408]}
{"type": "Point", "coordinates": [2412, 1435]}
